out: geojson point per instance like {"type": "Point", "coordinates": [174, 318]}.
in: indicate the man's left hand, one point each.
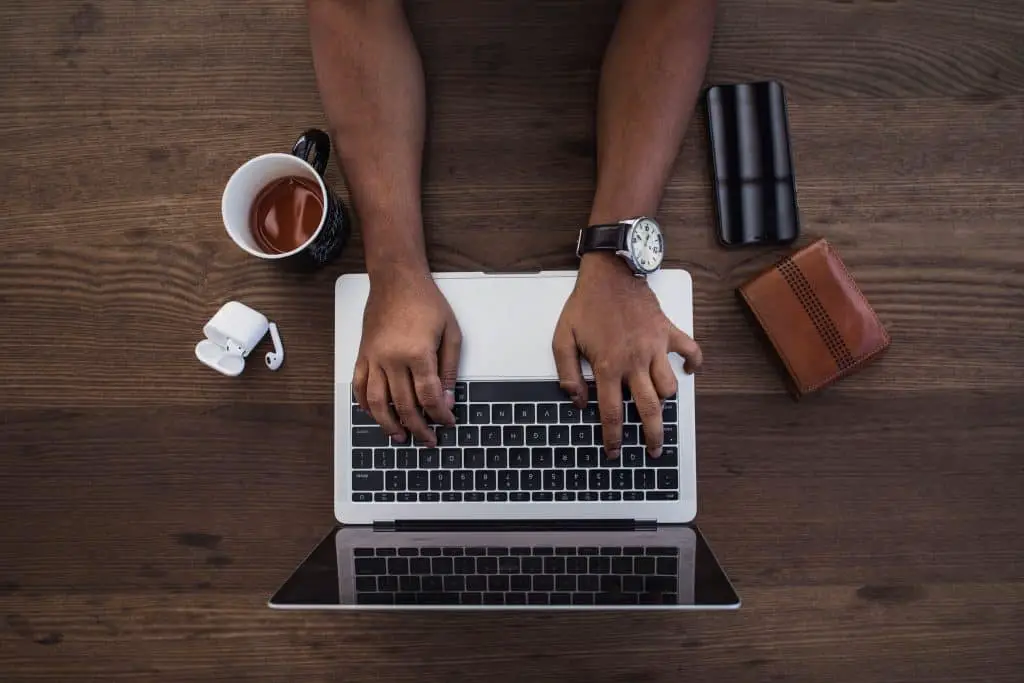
{"type": "Point", "coordinates": [613, 319]}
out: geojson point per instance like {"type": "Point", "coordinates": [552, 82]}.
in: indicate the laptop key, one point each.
{"type": "Point", "coordinates": [565, 582]}
{"type": "Point", "coordinates": [568, 413]}
{"type": "Point", "coordinates": [542, 458]}
{"type": "Point", "coordinates": [454, 583]}
{"type": "Point", "coordinates": [369, 437]}
{"type": "Point", "coordinates": [451, 496]}
{"type": "Point", "coordinates": [587, 495]}
{"type": "Point", "coordinates": [451, 458]}
{"type": "Point", "coordinates": [565, 496]}
{"type": "Point", "coordinates": [599, 479]}
{"type": "Point", "coordinates": [668, 566]}
{"type": "Point", "coordinates": [529, 480]}
{"type": "Point", "coordinates": [536, 598]}
{"type": "Point", "coordinates": [632, 413]}
{"type": "Point", "coordinates": [554, 564]}
{"type": "Point", "coordinates": [384, 458]}
{"type": "Point", "coordinates": [586, 457]}
{"type": "Point", "coordinates": [609, 462]}
{"type": "Point", "coordinates": [543, 582]}
{"type": "Point", "coordinates": [497, 458]}
{"type": "Point", "coordinates": [447, 436]}
{"type": "Point", "coordinates": [371, 566]}
{"type": "Point", "coordinates": [366, 584]}
{"type": "Point", "coordinates": [464, 565]}
{"type": "Point", "coordinates": [543, 496]}
{"type": "Point", "coordinates": [632, 456]}
{"type": "Point", "coordinates": [471, 598]}
{"type": "Point", "coordinates": [645, 479]}
{"type": "Point", "coordinates": [486, 480]}
{"type": "Point", "coordinates": [565, 457]}
{"type": "Point", "coordinates": [487, 565]}
{"type": "Point", "coordinates": [519, 496]}
{"type": "Point", "coordinates": [668, 479]}
{"type": "Point", "coordinates": [475, 458]}
{"type": "Point", "coordinates": [475, 582]}
{"type": "Point", "coordinates": [519, 458]}
{"type": "Point", "coordinates": [513, 436]}
{"type": "Point", "coordinates": [591, 414]}
{"type": "Point", "coordinates": [406, 459]}
{"type": "Point", "coordinates": [600, 564]}
{"type": "Point", "coordinates": [361, 417]}
{"type": "Point", "coordinates": [375, 598]}
{"type": "Point", "coordinates": [632, 495]}
{"type": "Point", "coordinates": [576, 564]}
{"type": "Point", "coordinates": [442, 565]}
{"type": "Point", "coordinates": [536, 436]}
{"type": "Point", "coordinates": [398, 565]}
{"type": "Point", "coordinates": [490, 436]}
{"type": "Point", "coordinates": [461, 392]}
{"type": "Point", "coordinates": [362, 497]}
{"type": "Point", "coordinates": [532, 565]}
{"type": "Point", "coordinates": [474, 496]}
{"type": "Point", "coordinates": [611, 495]}
{"type": "Point", "coordinates": [469, 436]}
{"type": "Point", "coordinates": [558, 435]}
{"type": "Point", "coordinates": [516, 392]}
{"type": "Point", "coordinates": [462, 480]}
{"type": "Point", "coordinates": [582, 599]}
{"type": "Point", "coordinates": [671, 434]}
{"type": "Point", "coordinates": [430, 497]}
{"type": "Point", "coordinates": [630, 435]}
{"type": "Point", "coordinates": [440, 480]}
{"type": "Point", "coordinates": [576, 480]}
{"type": "Point", "coordinates": [561, 599]}
{"type": "Point", "coordinates": [494, 598]}
{"type": "Point", "coordinates": [497, 497]}
{"type": "Point", "coordinates": [430, 458]}
{"type": "Point", "coordinates": [669, 413]}
{"type": "Point", "coordinates": [622, 565]}
{"type": "Point", "coordinates": [498, 582]}
{"type": "Point", "coordinates": [501, 414]}
{"type": "Point", "coordinates": [662, 495]}
{"type": "Point", "coordinates": [669, 458]}
{"type": "Point", "coordinates": [367, 481]}
{"type": "Point", "coordinates": [508, 480]}
{"type": "Point", "coordinates": [589, 583]}
{"type": "Point", "coordinates": [581, 435]}
{"type": "Point", "coordinates": [432, 584]}
{"type": "Point", "coordinates": [461, 412]}
{"type": "Point", "coordinates": [554, 480]}
{"type": "Point", "coordinates": [362, 458]}
{"type": "Point", "coordinates": [524, 413]}
{"type": "Point", "coordinates": [479, 414]}
{"type": "Point", "coordinates": [622, 479]}
{"type": "Point", "coordinates": [521, 583]}
{"type": "Point", "coordinates": [547, 413]}
{"type": "Point", "coordinates": [394, 480]}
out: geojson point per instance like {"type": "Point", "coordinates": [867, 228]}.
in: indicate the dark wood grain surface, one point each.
{"type": "Point", "coordinates": [150, 506]}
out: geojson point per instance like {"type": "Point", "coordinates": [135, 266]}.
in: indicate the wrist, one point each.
{"type": "Point", "coordinates": [605, 265]}
{"type": "Point", "coordinates": [394, 250]}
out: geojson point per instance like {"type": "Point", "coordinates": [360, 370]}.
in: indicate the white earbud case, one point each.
{"type": "Point", "coordinates": [231, 334]}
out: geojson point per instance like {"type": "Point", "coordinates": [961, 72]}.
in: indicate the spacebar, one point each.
{"type": "Point", "coordinates": [513, 392]}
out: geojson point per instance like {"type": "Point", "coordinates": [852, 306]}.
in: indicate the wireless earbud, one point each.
{"type": "Point", "coordinates": [276, 357]}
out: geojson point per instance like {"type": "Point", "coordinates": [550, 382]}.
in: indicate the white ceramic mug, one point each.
{"type": "Point", "coordinates": [253, 176]}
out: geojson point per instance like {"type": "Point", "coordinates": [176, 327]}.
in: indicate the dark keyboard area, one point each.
{"type": "Point", "coordinates": [516, 576]}
{"type": "Point", "coordinates": [516, 442]}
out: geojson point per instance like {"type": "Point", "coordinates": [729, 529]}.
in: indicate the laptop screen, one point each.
{"type": "Point", "coordinates": [355, 567]}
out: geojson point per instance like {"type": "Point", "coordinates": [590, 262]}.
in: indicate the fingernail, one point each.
{"type": "Point", "coordinates": [449, 398]}
{"type": "Point", "coordinates": [398, 437]}
{"type": "Point", "coordinates": [613, 453]}
{"type": "Point", "coordinates": [656, 452]}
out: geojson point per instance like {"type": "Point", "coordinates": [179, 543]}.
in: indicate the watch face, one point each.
{"type": "Point", "coordinates": [646, 245]}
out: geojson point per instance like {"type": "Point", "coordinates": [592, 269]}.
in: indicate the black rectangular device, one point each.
{"type": "Point", "coordinates": [751, 164]}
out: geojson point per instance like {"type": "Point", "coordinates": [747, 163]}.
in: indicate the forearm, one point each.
{"type": "Point", "coordinates": [652, 74]}
{"type": "Point", "coordinates": [371, 85]}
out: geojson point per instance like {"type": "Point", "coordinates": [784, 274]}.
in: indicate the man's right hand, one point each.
{"type": "Point", "coordinates": [408, 356]}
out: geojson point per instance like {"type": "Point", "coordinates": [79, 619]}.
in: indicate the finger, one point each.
{"type": "Point", "coordinates": [377, 398]}
{"type": "Point", "coordinates": [567, 360]}
{"type": "Point", "coordinates": [448, 361]}
{"type": "Point", "coordinates": [649, 406]}
{"type": "Point", "coordinates": [609, 400]}
{"type": "Point", "coordinates": [683, 344]}
{"type": "Point", "coordinates": [404, 399]}
{"type": "Point", "coordinates": [359, 383]}
{"type": "Point", "coordinates": [429, 391]}
{"type": "Point", "coordinates": [664, 377]}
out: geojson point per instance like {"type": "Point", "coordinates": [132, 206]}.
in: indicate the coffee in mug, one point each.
{"type": "Point", "coordinates": [277, 206]}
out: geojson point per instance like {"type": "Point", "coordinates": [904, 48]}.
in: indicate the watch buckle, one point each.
{"type": "Point", "coordinates": [579, 242]}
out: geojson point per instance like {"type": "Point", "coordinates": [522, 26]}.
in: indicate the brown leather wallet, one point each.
{"type": "Point", "coordinates": [816, 318]}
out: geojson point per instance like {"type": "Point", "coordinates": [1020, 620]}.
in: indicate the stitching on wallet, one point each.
{"type": "Point", "coordinates": [820, 317]}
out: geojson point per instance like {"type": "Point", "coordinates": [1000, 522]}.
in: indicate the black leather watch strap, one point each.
{"type": "Point", "coordinates": [603, 238]}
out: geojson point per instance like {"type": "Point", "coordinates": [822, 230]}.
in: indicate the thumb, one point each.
{"type": "Point", "coordinates": [567, 360]}
{"type": "Point", "coordinates": [683, 344]}
{"type": "Point", "coordinates": [448, 360]}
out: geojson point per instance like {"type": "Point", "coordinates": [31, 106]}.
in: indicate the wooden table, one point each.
{"type": "Point", "coordinates": [150, 505]}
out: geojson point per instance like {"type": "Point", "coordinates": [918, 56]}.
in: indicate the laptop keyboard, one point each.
{"type": "Point", "coordinates": [515, 442]}
{"type": "Point", "coordinates": [517, 576]}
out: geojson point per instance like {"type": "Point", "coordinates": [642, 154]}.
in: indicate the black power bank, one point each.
{"type": "Point", "coordinates": [752, 166]}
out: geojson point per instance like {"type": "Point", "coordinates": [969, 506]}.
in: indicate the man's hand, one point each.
{"type": "Point", "coordinates": [613, 319]}
{"type": "Point", "coordinates": [409, 356]}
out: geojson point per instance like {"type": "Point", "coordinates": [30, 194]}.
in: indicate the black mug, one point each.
{"type": "Point", "coordinates": [255, 175]}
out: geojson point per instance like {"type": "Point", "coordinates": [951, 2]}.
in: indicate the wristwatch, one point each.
{"type": "Point", "coordinates": [638, 241]}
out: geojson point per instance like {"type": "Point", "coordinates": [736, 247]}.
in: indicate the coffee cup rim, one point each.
{"type": "Point", "coordinates": [262, 254]}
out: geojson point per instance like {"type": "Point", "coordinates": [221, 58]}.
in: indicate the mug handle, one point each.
{"type": "Point", "coordinates": [320, 143]}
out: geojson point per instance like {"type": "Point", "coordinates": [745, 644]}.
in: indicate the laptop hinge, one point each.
{"type": "Point", "coordinates": [516, 525]}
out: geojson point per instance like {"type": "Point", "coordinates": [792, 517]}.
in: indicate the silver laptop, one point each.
{"type": "Point", "coordinates": [517, 506]}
